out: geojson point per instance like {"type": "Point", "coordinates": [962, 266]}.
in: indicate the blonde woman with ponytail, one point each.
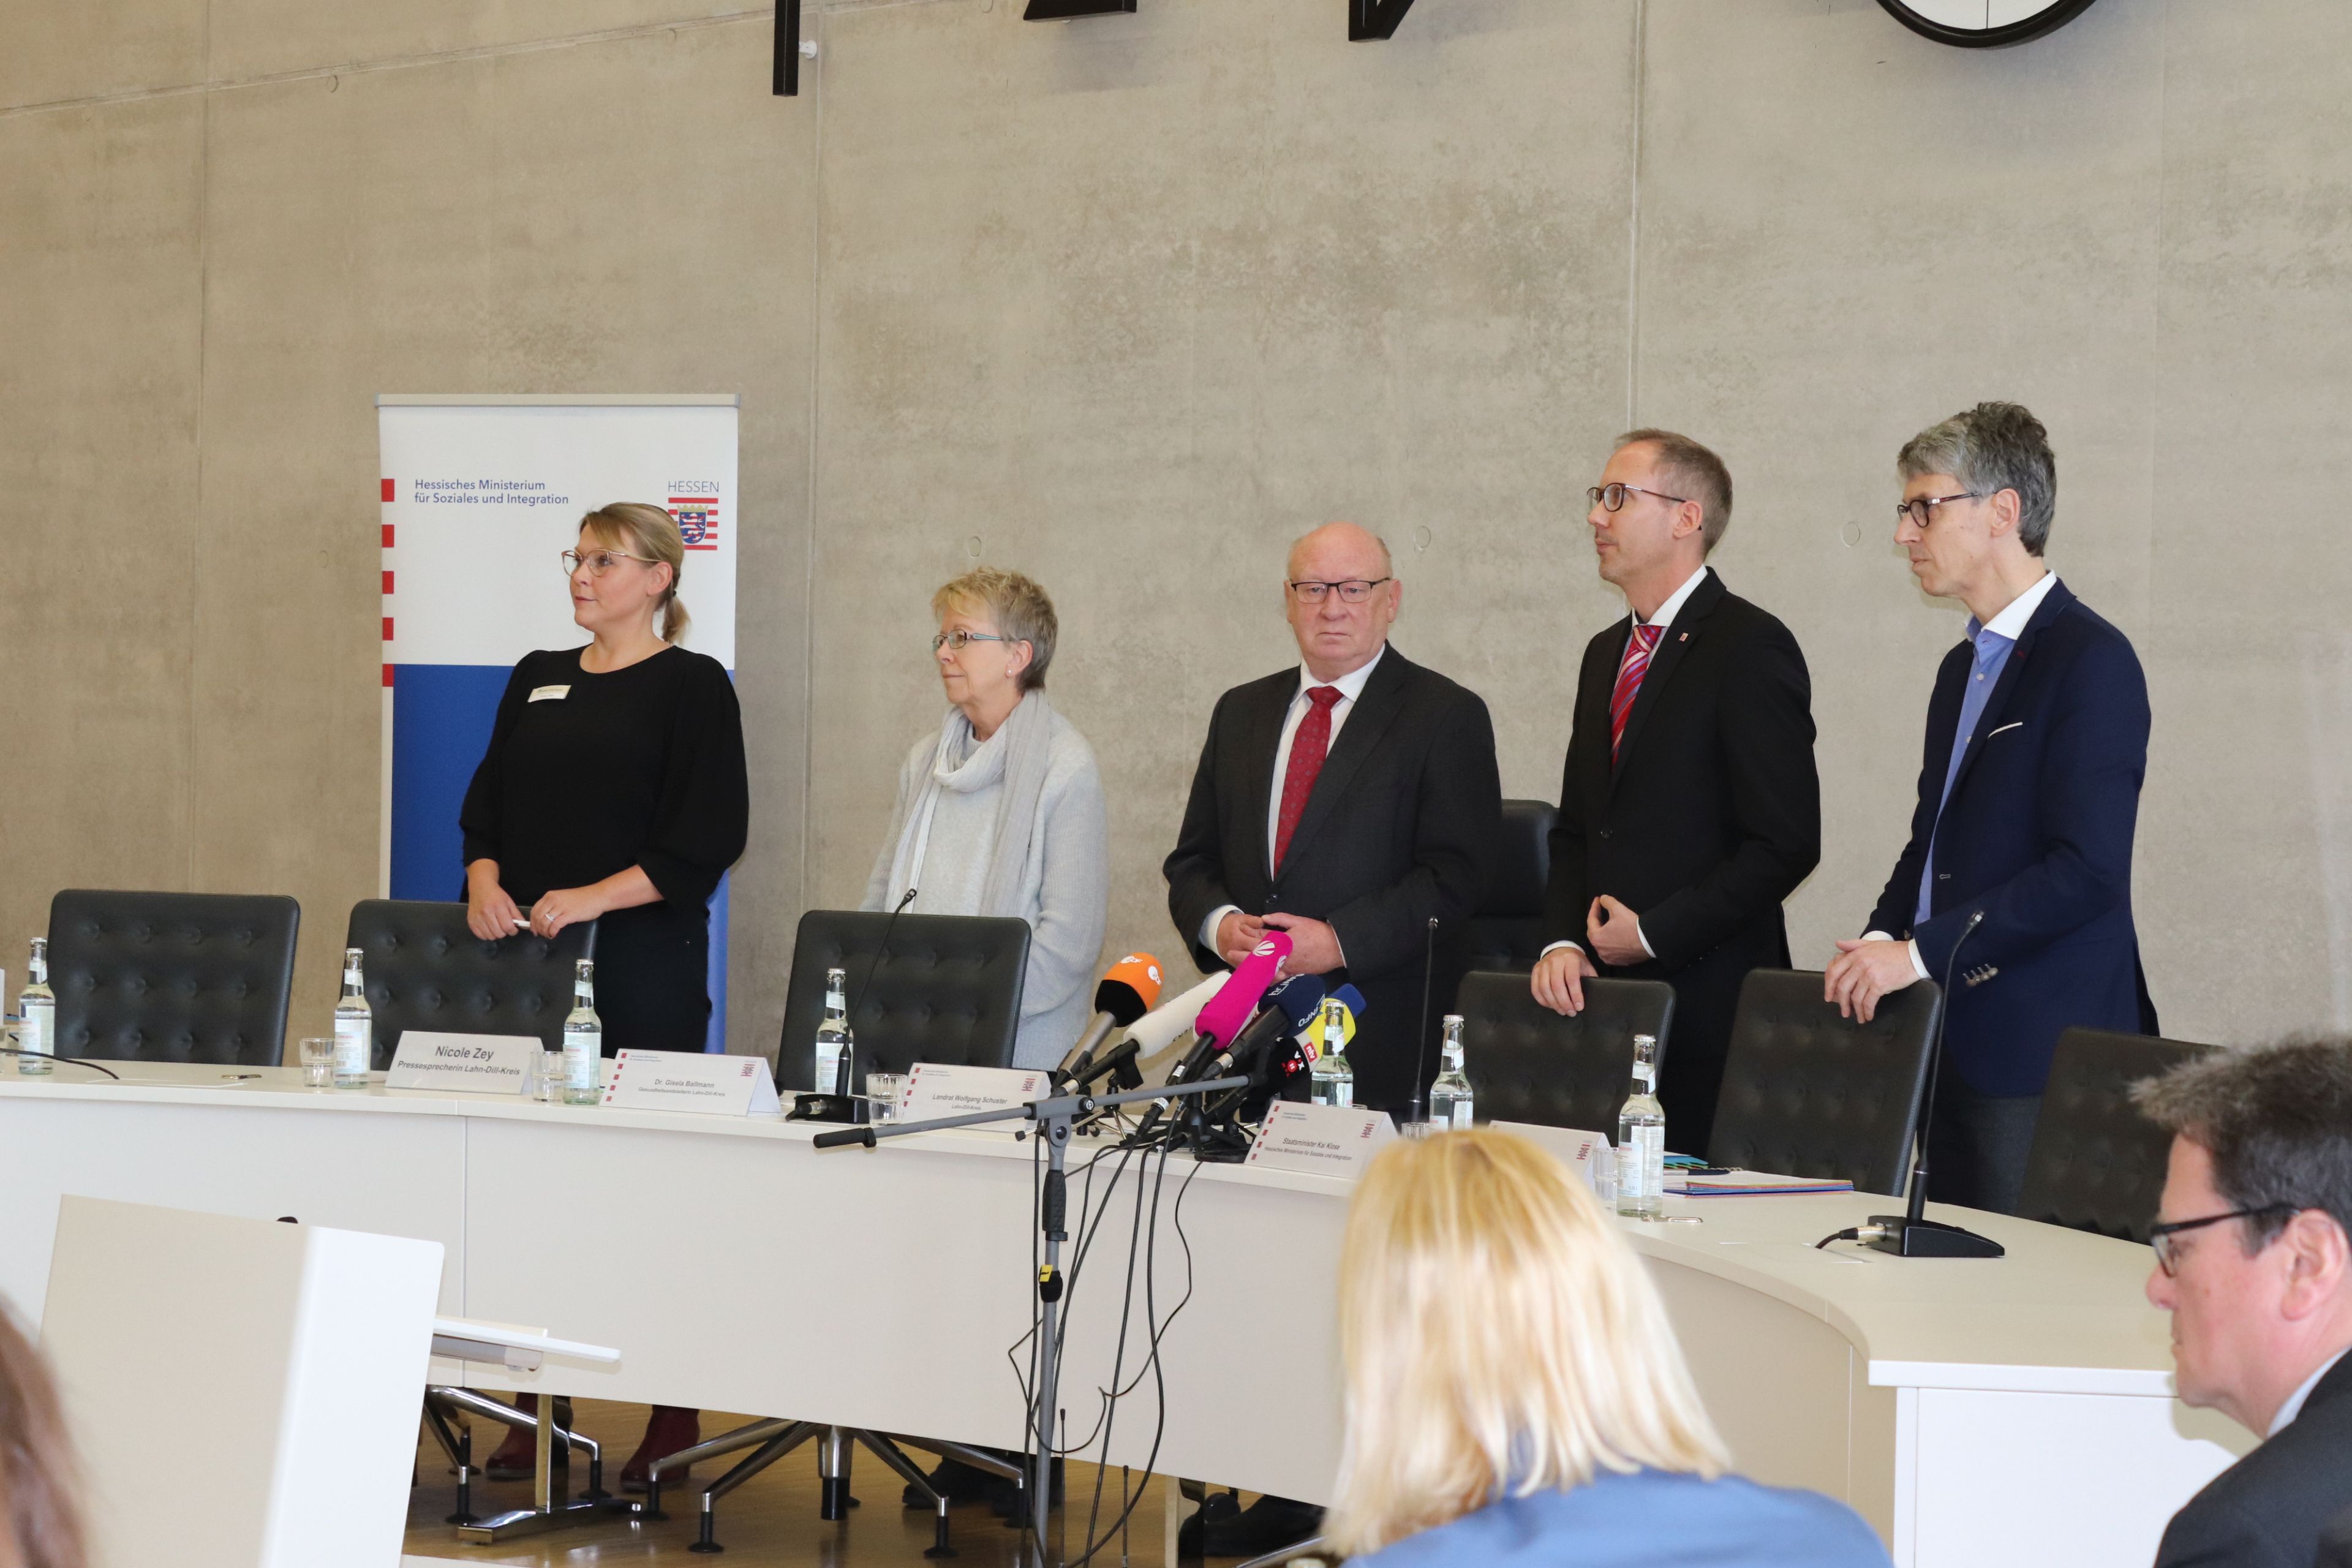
{"type": "Point", "coordinates": [614, 790]}
{"type": "Point", "coordinates": [1514, 1394]}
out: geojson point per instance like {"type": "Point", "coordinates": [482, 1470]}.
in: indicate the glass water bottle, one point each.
{"type": "Point", "coordinates": [1330, 1079]}
{"type": "Point", "coordinates": [354, 1027]}
{"type": "Point", "coordinates": [1450, 1105]}
{"type": "Point", "coordinates": [1641, 1139]}
{"type": "Point", "coordinates": [583, 1038]}
{"type": "Point", "coordinates": [36, 1014]}
{"type": "Point", "coordinates": [833, 1040]}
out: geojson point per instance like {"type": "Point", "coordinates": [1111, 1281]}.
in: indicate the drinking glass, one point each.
{"type": "Point", "coordinates": [551, 1076]}
{"type": "Point", "coordinates": [319, 1063]}
{"type": "Point", "coordinates": [882, 1093]}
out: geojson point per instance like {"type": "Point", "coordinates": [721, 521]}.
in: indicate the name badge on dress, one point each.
{"type": "Point", "coordinates": [550, 693]}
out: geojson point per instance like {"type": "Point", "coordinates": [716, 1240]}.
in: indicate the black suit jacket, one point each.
{"type": "Point", "coordinates": [1710, 816]}
{"type": "Point", "coordinates": [2267, 1510]}
{"type": "Point", "coordinates": [1402, 826]}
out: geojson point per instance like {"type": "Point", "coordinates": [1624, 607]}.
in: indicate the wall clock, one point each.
{"type": "Point", "coordinates": [1984, 24]}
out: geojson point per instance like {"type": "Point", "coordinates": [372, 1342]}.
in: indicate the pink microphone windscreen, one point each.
{"type": "Point", "coordinates": [1231, 1008]}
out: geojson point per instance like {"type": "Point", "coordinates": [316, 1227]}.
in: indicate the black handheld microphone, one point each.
{"type": "Point", "coordinates": [1907, 1234]}
{"type": "Point", "coordinates": [1119, 1060]}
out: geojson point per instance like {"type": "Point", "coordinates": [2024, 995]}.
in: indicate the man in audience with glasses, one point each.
{"type": "Point", "coordinates": [1689, 805]}
{"type": "Point", "coordinates": [2253, 1265]}
{"type": "Point", "coordinates": [2015, 887]}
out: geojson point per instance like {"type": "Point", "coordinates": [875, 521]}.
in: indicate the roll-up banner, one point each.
{"type": "Point", "coordinates": [481, 495]}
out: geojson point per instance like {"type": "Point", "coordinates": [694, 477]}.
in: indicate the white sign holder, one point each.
{"type": "Point", "coordinates": [470, 1064]}
{"type": "Point", "coordinates": [1320, 1140]}
{"type": "Point", "coordinates": [690, 1081]}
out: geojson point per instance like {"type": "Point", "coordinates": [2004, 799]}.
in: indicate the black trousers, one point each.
{"type": "Point", "coordinates": [653, 967]}
{"type": "Point", "coordinates": [1977, 1145]}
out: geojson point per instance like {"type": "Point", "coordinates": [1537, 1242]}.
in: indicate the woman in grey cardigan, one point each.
{"type": "Point", "coordinates": [1000, 810]}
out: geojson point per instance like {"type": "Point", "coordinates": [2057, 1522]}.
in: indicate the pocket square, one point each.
{"type": "Point", "coordinates": [2005, 728]}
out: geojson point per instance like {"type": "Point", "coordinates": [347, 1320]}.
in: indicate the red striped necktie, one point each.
{"type": "Point", "coordinates": [1638, 648]}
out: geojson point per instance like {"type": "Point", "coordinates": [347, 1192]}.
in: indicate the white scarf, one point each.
{"type": "Point", "coordinates": [1017, 756]}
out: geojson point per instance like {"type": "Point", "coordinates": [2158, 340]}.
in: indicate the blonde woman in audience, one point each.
{"type": "Point", "coordinates": [43, 1519]}
{"type": "Point", "coordinates": [1514, 1396]}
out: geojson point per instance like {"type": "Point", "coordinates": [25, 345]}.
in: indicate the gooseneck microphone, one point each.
{"type": "Point", "coordinates": [1421, 1049]}
{"type": "Point", "coordinates": [1909, 1235]}
{"type": "Point", "coordinates": [1128, 992]}
{"type": "Point", "coordinates": [845, 1074]}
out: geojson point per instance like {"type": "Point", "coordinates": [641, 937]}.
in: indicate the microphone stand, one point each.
{"type": "Point", "coordinates": [1421, 1047]}
{"type": "Point", "coordinates": [1908, 1234]}
{"type": "Point", "coordinates": [1054, 1117]}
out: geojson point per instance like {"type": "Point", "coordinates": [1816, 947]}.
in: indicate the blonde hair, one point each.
{"type": "Point", "coordinates": [635, 528]}
{"type": "Point", "coordinates": [1018, 604]}
{"type": "Point", "coordinates": [1499, 1338]}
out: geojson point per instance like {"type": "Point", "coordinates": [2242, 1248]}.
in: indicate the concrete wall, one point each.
{"type": "Point", "coordinates": [1129, 302]}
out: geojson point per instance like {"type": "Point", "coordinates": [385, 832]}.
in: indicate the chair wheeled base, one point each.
{"type": "Point", "coordinates": [771, 1441]}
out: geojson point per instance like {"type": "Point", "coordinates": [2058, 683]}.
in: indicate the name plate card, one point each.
{"type": "Point", "coordinates": [693, 1082]}
{"type": "Point", "coordinates": [934, 1090]}
{"type": "Point", "coordinates": [1576, 1148]}
{"type": "Point", "coordinates": [1320, 1140]}
{"type": "Point", "coordinates": [476, 1064]}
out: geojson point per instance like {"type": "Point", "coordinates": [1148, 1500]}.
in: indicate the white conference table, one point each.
{"type": "Point", "coordinates": [2016, 1411]}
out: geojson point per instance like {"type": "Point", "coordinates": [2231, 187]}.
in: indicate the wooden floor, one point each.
{"type": "Point", "coordinates": [770, 1520]}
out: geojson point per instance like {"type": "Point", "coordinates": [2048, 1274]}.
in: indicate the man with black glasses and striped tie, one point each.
{"type": "Point", "coordinates": [1689, 807]}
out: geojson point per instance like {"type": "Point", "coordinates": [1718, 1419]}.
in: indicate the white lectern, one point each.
{"type": "Point", "coordinates": [243, 1393]}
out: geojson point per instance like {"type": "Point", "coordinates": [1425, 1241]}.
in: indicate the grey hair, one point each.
{"type": "Point", "coordinates": [1992, 447]}
{"type": "Point", "coordinates": [2277, 1121]}
{"type": "Point", "coordinates": [1020, 608]}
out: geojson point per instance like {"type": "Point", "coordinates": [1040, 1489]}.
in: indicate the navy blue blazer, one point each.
{"type": "Point", "coordinates": [2038, 835]}
{"type": "Point", "coordinates": [1652, 1519]}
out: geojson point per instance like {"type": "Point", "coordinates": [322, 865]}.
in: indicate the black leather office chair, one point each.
{"type": "Point", "coordinates": [425, 970]}
{"type": "Point", "coordinates": [947, 991]}
{"type": "Point", "coordinates": [1527, 1063]}
{"type": "Point", "coordinates": [1807, 1093]}
{"type": "Point", "coordinates": [172, 977]}
{"type": "Point", "coordinates": [1507, 932]}
{"type": "Point", "coordinates": [2097, 1164]}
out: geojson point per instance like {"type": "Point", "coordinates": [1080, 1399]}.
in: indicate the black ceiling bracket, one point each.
{"type": "Point", "coordinates": [1064, 10]}
{"type": "Point", "coordinates": [787, 78]}
{"type": "Point", "coordinates": [1375, 18]}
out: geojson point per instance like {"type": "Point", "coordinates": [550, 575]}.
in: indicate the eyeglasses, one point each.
{"type": "Point", "coordinates": [961, 639]}
{"type": "Point", "coordinates": [2168, 1252]}
{"type": "Point", "coordinates": [1354, 591]}
{"type": "Point", "coordinates": [1922, 510]}
{"type": "Point", "coordinates": [598, 562]}
{"type": "Point", "coordinates": [1612, 497]}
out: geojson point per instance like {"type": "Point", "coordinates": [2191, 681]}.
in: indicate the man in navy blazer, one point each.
{"type": "Point", "coordinates": [2017, 878]}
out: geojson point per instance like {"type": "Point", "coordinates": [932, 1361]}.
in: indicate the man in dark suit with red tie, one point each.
{"type": "Point", "coordinates": [1689, 806]}
{"type": "Point", "coordinates": [1349, 800]}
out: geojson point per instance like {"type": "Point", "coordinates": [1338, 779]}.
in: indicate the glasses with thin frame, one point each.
{"type": "Point", "coordinates": [598, 562]}
{"type": "Point", "coordinates": [959, 640]}
{"type": "Point", "coordinates": [2168, 1253]}
{"type": "Point", "coordinates": [1353, 591]}
{"type": "Point", "coordinates": [1921, 510]}
{"type": "Point", "coordinates": [1612, 498]}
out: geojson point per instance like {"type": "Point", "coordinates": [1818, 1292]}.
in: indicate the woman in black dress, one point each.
{"type": "Point", "coordinates": [615, 790]}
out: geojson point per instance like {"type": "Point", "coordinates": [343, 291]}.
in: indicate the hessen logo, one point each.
{"type": "Point", "coordinates": [697, 515]}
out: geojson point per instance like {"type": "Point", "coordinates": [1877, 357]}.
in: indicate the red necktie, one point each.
{"type": "Point", "coordinates": [1638, 648]}
{"type": "Point", "coordinates": [1308, 748]}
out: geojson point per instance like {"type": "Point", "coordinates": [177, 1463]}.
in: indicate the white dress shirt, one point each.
{"type": "Point", "coordinates": [2010, 624]}
{"type": "Point", "coordinates": [1349, 686]}
{"type": "Point", "coordinates": [1665, 617]}
{"type": "Point", "coordinates": [2293, 1406]}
